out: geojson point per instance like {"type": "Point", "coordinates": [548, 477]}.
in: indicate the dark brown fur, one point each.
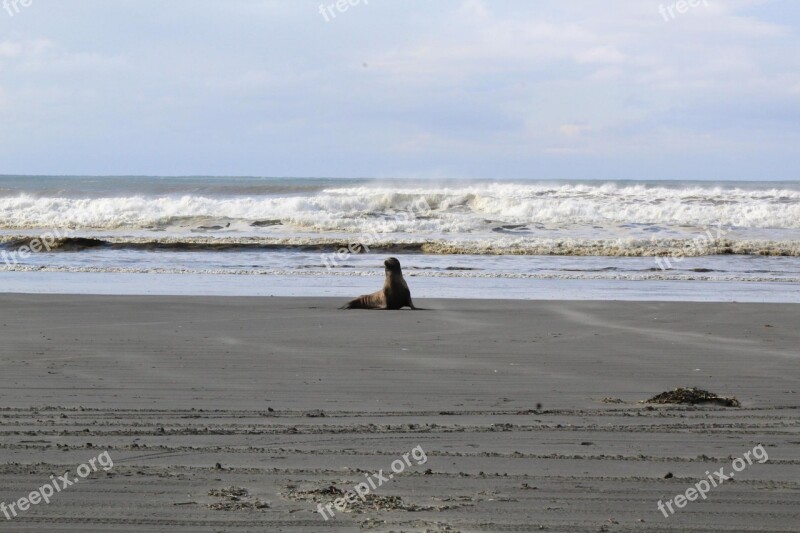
{"type": "Point", "coordinates": [394, 294]}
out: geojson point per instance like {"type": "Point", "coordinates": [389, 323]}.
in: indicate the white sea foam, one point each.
{"type": "Point", "coordinates": [456, 209]}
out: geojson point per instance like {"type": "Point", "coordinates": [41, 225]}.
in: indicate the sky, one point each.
{"type": "Point", "coordinates": [493, 89]}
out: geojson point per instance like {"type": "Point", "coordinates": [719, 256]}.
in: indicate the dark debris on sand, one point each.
{"type": "Point", "coordinates": [234, 499]}
{"type": "Point", "coordinates": [371, 502]}
{"type": "Point", "coordinates": [693, 396]}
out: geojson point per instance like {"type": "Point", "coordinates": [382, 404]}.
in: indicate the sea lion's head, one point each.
{"type": "Point", "coordinates": [392, 265]}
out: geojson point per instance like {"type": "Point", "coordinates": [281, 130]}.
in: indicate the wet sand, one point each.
{"type": "Point", "coordinates": [288, 397]}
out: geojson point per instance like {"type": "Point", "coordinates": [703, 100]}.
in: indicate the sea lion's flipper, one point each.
{"type": "Point", "coordinates": [354, 304]}
{"type": "Point", "coordinates": [367, 301]}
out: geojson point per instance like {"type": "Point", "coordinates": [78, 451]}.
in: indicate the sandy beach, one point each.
{"type": "Point", "coordinates": [528, 413]}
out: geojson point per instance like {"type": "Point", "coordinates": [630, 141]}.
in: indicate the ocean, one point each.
{"type": "Point", "coordinates": [666, 240]}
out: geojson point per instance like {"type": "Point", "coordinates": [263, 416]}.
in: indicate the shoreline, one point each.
{"type": "Point", "coordinates": [346, 287]}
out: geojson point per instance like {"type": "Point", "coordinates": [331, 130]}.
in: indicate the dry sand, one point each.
{"type": "Point", "coordinates": [194, 395]}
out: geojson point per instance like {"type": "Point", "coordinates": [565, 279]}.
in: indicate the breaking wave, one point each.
{"type": "Point", "coordinates": [453, 209]}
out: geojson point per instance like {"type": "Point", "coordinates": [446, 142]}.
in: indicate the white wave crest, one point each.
{"type": "Point", "coordinates": [455, 210]}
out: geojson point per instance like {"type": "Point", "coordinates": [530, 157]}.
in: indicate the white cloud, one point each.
{"type": "Point", "coordinates": [24, 49]}
{"type": "Point", "coordinates": [9, 50]}
{"type": "Point", "coordinates": [572, 130]}
{"type": "Point", "coordinates": [601, 54]}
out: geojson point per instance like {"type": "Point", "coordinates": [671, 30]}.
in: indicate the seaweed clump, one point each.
{"type": "Point", "coordinates": [693, 396]}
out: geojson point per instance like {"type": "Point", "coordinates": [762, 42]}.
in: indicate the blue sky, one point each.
{"type": "Point", "coordinates": [570, 89]}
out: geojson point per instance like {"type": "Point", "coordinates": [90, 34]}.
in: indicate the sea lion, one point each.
{"type": "Point", "coordinates": [393, 295]}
